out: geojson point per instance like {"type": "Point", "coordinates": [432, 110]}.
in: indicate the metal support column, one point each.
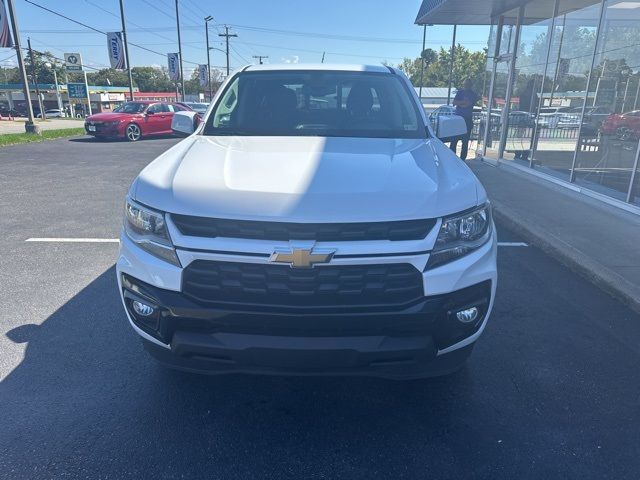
{"type": "Point", "coordinates": [496, 54]}
{"type": "Point", "coordinates": [504, 127]}
{"type": "Point", "coordinates": [424, 43]}
{"type": "Point", "coordinates": [453, 56]}
{"type": "Point", "coordinates": [536, 127]}
{"type": "Point", "coordinates": [633, 174]}
{"type": "Point", "coordinates": [572, 175]}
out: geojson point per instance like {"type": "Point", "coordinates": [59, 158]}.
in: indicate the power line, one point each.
{"type": "Point", "coordinates": [97, 30]}
{"type": "Point", "coordinates": [158, 9]}
{"type": "Point", "coordinates": [317, 51]}
{"type": "Point", "coordinates": [326, 35]}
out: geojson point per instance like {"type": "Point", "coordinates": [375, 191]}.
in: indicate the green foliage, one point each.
{"type": "Point", "coordinates": [151, 79]}
{"type": "Point", "coordinates": [109, 76]}
{"type": "Point", "coordinates": [467, 64]}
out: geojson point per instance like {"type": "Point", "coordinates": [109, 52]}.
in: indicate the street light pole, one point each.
{"type": "Point", "coordinates": [34, 75]}
{"type": "Point", "coordinates": [126, 49]}
{"type": "Point", "coordinates": [206, 27]}
{"type": "Point", "coordinates": [29, 126]}
{"type": "Point", "coordinates": [180, 52]}
{"type": "Point", "coordinates": [55, 81]}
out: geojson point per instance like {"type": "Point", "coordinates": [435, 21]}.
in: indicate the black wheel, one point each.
{"type": "Point", "coordinates": [132, 132]}
{"type": "Point", "coordinates": [624, 133]}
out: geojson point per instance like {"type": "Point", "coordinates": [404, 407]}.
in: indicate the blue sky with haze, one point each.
{"type": "Point", "coordinates": [353, 31]}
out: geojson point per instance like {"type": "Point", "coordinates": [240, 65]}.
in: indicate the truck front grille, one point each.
{"type": "Point", "coordinates": [249, 284]}
{"type": "Point", "coordinates": [320, 232]}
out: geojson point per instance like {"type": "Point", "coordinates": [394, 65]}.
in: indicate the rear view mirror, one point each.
{"type": "Point", "coordinates": [184, 123]}
{"type": "Point", "coordinates": [450, 126]}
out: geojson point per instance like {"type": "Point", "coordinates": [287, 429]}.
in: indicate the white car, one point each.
{"type": "Point", "coordinates": [283, 238]}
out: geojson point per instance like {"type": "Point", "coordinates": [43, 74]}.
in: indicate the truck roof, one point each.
{"type": "Point", "coordinates": [319, 66]}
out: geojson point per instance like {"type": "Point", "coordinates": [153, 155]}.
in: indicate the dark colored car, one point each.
{"type": "Point", "coordinates": [133, 120]}
{"type": "Point", "coordinates": [625, 126]}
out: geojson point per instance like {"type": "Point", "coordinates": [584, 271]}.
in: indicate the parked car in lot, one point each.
{"type": "Point", "coordinates": [625, 126]}
{"type": "Point", "coordinates": [54, 113]}
{"type": "Point", "coordinates": [283, 239]}
{"type": "Point", "coordinates": [199, 107]}
{"type": "Point", "coordinates": [549, 117]}
{"type": "Point", "coordinates": [133, 120]}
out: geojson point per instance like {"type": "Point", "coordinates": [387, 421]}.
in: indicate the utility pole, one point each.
{"type": "Point", "coordinates": [126, 49]}
{"type": "Point", "coordinates": [207, 19]}
{"type": "Point", "coordinates": [180, 52]}
{"type": "Point", "coordinates": [34, 75]}
{"type": "Point", "coordinates": [29, 126]}
{"type": "Point", "coordinates": [260, 57]}
{"type": "Point", "coordinates": [226, 34]}
{"type": "Point", "coordinates": [322, 61]}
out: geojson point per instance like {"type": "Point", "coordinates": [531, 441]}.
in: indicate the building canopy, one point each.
{"type": "Point", "coordinates": [479, 12]}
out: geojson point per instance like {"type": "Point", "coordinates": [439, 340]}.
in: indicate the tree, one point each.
{"type": "Point", "coordinates": [193, 87]}
{"type": "Point", "coordinates": [44, 64]}
{"type": "Point", "coordinates": [109, 76]}
{"type": "Point", "coordinates": [152, 79]}
{"type": "Point", "coordinates": [467, 64]}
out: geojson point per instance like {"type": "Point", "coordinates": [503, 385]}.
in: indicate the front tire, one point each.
{"type": "Point", "coordinates": [132, 133]}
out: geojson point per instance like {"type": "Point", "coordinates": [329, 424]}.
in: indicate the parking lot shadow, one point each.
{"type": "Point", "coordinates": [86, 398]}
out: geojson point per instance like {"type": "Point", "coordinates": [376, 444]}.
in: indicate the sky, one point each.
{"type": "Point", "coordinates": [287, 31]}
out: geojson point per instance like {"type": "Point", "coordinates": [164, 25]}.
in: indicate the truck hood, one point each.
{"type": "Point", "coordinates": [308, 179]}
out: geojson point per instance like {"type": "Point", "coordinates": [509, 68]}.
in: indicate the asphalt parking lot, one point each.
{"type": "Point", "coordinates": [551, 390]}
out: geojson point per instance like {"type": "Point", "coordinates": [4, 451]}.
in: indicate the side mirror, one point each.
{"type": "Point", "coordinates": [450, 126]}
{"type": "Point", "coordinates": [184, 123]}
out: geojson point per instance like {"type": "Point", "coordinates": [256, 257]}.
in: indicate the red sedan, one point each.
{"type": "Point", "coordinates": [625, 126]}
{"type": "Point", "coordinates": [133, 120]}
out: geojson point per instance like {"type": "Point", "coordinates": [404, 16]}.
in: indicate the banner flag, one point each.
{"type": "Point", "coordinates": [116, 50]}
{"type": "Point", "coordinates": [174, 66]}
{"type": "Point", "coordinates": [203, 75]}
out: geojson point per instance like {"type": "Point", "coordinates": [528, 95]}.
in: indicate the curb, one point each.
{"type": "Point", "coordinates": [598, 274]}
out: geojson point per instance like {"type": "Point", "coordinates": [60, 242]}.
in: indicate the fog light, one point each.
{"type": "Point", "coordinates": [468, 315]}
{"type": "Point", "coordinates": [142, 309]}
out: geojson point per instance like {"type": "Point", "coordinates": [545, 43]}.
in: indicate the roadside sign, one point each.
{"type": "Point", "coordinates": [77, 90]}
{"type": "Point", "coordinates": [73, 62]}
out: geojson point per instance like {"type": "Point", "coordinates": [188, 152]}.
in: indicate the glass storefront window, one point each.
{"type": "Point", "coordinates": [492, 116]}
{"type": "Point", "coordinates": [611, 124]}
{"type": "Point", "coordinates": [530, 72]}
{"type": "Point", "coordinates": [562, 96]}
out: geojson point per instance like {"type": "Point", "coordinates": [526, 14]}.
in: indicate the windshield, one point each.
{"type": "Point", "coordinates": [131, 107]}
{"type": "Point", "coordinates": [316, 103]}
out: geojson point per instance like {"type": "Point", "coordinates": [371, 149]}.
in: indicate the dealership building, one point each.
{"type": "Point", "coordinates": [562, 85]}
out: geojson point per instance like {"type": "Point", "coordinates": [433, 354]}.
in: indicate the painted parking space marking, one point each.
{"type": "Point", "coordinates": [512, 244]}
{"type": "Point", "coordinates": [73, 240]}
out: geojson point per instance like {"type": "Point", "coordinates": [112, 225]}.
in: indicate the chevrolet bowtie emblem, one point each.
{"type": "Point", "coordinates": [302, 257]}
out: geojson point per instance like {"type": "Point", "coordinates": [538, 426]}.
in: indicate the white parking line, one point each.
{"type": "Point", "coordinates": [74, 240]}
{"type": "Point", "coordinates": [115, 240]}
{"type": "Point", "coordinates": [512, 244]}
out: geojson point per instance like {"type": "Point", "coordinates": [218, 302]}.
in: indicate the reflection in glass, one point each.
{"type": "Point", "coordinates": [611, 125]}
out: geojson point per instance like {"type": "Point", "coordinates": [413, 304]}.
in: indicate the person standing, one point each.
{"type": "Point", "coordinates": [464, 101]}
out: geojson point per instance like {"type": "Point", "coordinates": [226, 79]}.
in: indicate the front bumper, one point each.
{"type": "Point", "coordinates": [104, 130]}
{"type": "Point", "coordinates": [419, 339]}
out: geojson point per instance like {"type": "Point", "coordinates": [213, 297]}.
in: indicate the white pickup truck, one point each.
{"type": "Point", "coordinates": [311, 224]}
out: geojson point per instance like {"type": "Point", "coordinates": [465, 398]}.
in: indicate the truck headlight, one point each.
{"type": "Point", "coordinates": [461, 234]}
{"type": "Point", "coordinates": [147, 229]}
